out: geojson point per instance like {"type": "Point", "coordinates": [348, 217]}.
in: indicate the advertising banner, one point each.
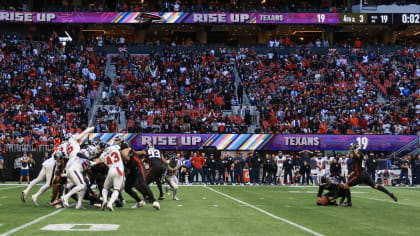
{"type": "Point", "coordinates": [170, 17]}
{"type": "Point", "coordinates": [246, 142]}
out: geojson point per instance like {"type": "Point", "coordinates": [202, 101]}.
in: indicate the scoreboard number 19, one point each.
{"type": "Point", "coordinates": [362, 142]}
{"type": "Point", "coordinates": [321, 18]}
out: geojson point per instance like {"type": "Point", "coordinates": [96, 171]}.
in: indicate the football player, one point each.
{"type": "Point", "coordinates": [359, 174]}
{"type": "Point", "coordinates": [156, 169]}
{"type": "Point", "coordinates": [279, 162]}
{"type": "Point", "coordinates": [115, 178]}
{"type": "Point", "coordinates": [319, 168]}
{"type": "Point", "coordinates": [47, 173]}
{"type": "Point", "coordinates": [75, 167]}
{"type": "Point", "coordinates": [334, 191]}
{"type": "Point", "coordinates": [172, 166]}
{"type": "Point", "coordinates": [136, 176]}
{"type": "Point", "coordinates": [343, 162]}
{"type": "Point", "coordinates": [327, 162]}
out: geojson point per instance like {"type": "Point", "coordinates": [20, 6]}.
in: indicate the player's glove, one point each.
{"type": "Point", "coordinates": [92, 163]}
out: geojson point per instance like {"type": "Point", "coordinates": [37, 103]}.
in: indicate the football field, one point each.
{"type": "Point", "coordinates": [220, 210]}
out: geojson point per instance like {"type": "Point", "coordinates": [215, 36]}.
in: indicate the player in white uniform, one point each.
{"type": "Point", "coordinates": [319, 168]}
{"type": "Point", "coordinates": [279, 161]}
{"type": "Point", "coordinates": [75, 167]}
{"type": "Point", "coordinates": [343, 162]}
{"type": "Point", "coordinates": [172, 167]}
{"type": "Point", "coordinates": [111, 157]}
{"type": "Point", "coordinates": [327, 161]}
{"type": "Point", "coordinates": [47, 174]}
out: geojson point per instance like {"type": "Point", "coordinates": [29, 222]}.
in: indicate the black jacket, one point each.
{"type": "Point", "coordinates": [335, 169]}
{"type": "Point", "coordinates": [288, 165]}
{"type": "Point", "coordinates": [371, 164]}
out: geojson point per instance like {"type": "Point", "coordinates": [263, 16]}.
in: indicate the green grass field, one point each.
{"type": "Point", "coordinates": [224, 210]}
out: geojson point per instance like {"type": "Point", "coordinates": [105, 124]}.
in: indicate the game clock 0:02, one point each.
{"type": "Point", "coordinates": [408, 18]}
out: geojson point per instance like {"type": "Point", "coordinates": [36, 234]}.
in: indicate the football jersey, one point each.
{"type": "Point", "coordinates": [72, 148]}
{"type": "Point", "coordinates": [280, 161]}
{"type": "Point", "coordinates": [172, 171]}
{"type": "Point", "coordinates": [319, 164]}
{"type": "Point", "coordinates": [112, 157]}
{"type": "Point", "coordinates": [49, 163]}
{"type": "Point", "coordinates": [343, 162]}
{"type": "Point", "coordinates": [153, 153]}
{"type": "Point", "coordinates": [328, 162]}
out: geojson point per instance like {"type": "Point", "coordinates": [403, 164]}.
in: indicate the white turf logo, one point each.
{"type": "Point", "coordinates": [81, 227]}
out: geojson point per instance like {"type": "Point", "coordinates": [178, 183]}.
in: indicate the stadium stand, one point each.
{"type": "Point", "coordinates": [44, 93]}
{"type": "Point", "coordinates": [198, 87]}
{"type": "Point", "coordinates": [305, 92]}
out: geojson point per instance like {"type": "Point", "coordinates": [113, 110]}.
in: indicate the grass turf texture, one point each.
{"type": "Point", "coordinates": [204, 212]}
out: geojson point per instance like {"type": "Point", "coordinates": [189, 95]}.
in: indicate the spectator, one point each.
{"type": "Point", "coordinates": [198, 163]}
{"type": "Point", "coordinates": [372, 166]}
{"type": "Point", "coordinates": [31, 165]}
{"type": "Point", "coordinates": [239, 164]}
{"type": "Point", "coordinates": [24, 169]}
{"type": "Point", "coordinates": [404, 165]}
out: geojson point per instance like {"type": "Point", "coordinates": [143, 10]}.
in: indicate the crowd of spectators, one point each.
{"type": "Point", "coordinates": [44, 93]}
{"type": "Point", "coordinates": [359, 91]}
{"type": "Point", "coordinates": [177, 91]}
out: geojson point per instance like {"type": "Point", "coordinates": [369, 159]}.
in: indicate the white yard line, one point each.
{"type": "Point", "coordinates": [267, 213]}
{"type": "Point", "coordinates": [32, 222]}
{"type": "Point", "coordinates": [390, 201]}
{"type": "Point", "coordinates": [11, 187]}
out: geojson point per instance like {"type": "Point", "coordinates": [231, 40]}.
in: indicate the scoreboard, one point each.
{"type": "Point", "coordinates": [380, 18]}
{"type": "Point", "coordinates": [213, 18]}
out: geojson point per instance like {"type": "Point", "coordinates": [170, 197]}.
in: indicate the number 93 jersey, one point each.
{"type": "Point", "coordinates": [112, 157]}
{"type": "Point", "coordinates": [153, 153]}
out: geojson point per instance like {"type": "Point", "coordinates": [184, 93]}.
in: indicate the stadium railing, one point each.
{"type": "Point", "coordinates": [27, 148]}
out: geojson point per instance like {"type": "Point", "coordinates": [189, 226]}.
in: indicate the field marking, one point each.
{"type": "Point", "coordinates": [267, 213]}
{"type": "Point", "coordinates": [11, 187]}
{"type": "Point", "coordinates": [390, 201]}
{"type": "Point", "coordinates": [32, 222]}
{"type": "Point", "coordinates": [92, 227]}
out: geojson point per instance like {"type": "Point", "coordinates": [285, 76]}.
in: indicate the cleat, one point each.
{"type": "Point", "coordinates": [347, 204]}
{"type": "Point", "coordinates": [56, 202]}
{"type": "Point", "coordinates": [58, 206]}
{"type": "Point", "coordinates": [175, 199]}
{"type": "Point", "coordinates": [80, 207]}
{"type": "Point", "coordinates": [161, 197]}
{"type": "Point", "coordinates": [156, 205]}
{"type": "Point", "coordinates": [64, 203]}
{"type": "Point", "coordinates": [104, 204]}
{"type": "Point", "coordinates": [97, 205]}
{"type": "Point", "coordinates": [394, 197]}
{"type": "Point", "coordinates": [35, 200]}
{"type": "Point", "coordinates": [109, 206]}
{"type": "Point", "coordinates": [140, 204]}
{"type": "Point", "coordinates": [23, 196]}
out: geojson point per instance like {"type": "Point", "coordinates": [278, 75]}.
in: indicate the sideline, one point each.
{"type": "Point", "coordinates": [267, 213]}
